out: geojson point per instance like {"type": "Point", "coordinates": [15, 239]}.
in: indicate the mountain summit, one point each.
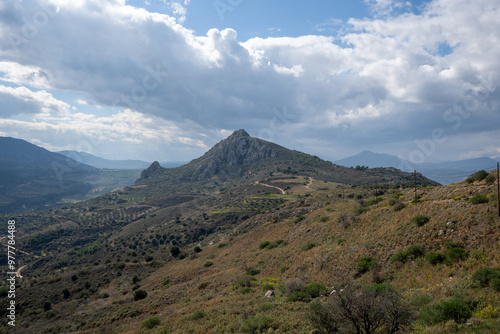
{"type": "Point", "coordinates": [237, 150]}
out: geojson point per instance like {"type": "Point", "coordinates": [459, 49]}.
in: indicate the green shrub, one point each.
{"type": "Point", "coordinates": [480, 175]}
{"type": "Point", "coordinates": [360, 210]}
{"type": "Point", "coordinates": [484, 276]}
{"type": "Point", "coordinates": [208, 264]}
{"type": "Point", "coordinates": [399, 256]}
{"type": "Point", "coordinates": [246, 290]}
{"type": "Point", "coordinates": [104, 295]}
{"type": "Point", "coordinates": [254, 271]}
{"type": "Point", "coordinates": [490, 179]}
{"type": "Point", "coordinates": [479, 199]}
{"type": "Point", "coordinates": [341, 241]}
{"type": "Point", "coordinates": [268, 287]}
{"type": "Point", "coordinates": [495, 284]}
{"type": "Point", "coordinates": [374, 201]}
{"type": "Point", "coordinates": [451, 244]}
{"type": "Point", "coordinates": [435, 258]}
{"type": "Point", "coordinates": [264, 244]}
{"type": "Point", "coordinates": [415, 251]}
{"type": "Point", "coordinates": [272, 245]}
{"type": "Point", "coordinates": [456, 309]}
{"type": "Point", "coordinates": [364, 264]}
{"type": "Point", "coordinates": [140, 294]}
{"type": "Point", "coordinates": [197, 249]}
{"type": "Point", "coordinates": [298, 296]}
{"type": "Point", "coordinates": [299, 219]}
{"type": "Point", "coordinates": [398, 206]}
{"type": "Point", "coordinates": [264, 307]}
{"type": "Point", "coordinates": [324, 219]}
{"type": "Point", "coordinates": [456, 254]}
{"type": "Point", "coordinates": [222, 244]}
{"type": "Point", "coordinates": [198, 315]}
{"type": "Point", "coordinates": [315, 289]}
{"type": "Point", "coordinates": [420, 220]}
{"type": "Point", "coordinates": [258, 324]}
{"type": "Point", "coordinates": [411, 252]}
{"type": "Point", "coordinates": [308, 246]}
{"type": "Point", "coordinates": [151, 323]}
{"type": "Point", "coordinates": [421, 300]}
{"type": "Point", "coordinates": [118, 266]}
{"type": "Point", "coordinates": [284, 268]}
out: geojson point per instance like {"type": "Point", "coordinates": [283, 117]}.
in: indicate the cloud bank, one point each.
{"type": "Point", "coordinates": [385, 83]}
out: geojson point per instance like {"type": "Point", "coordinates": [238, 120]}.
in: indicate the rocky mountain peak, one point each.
{"type": "Point", "coordinates": [153, 170]}
{"type": "Point", "coordinates": [238, 134]}
{"type": "Point", "coordinates": [236, 150]}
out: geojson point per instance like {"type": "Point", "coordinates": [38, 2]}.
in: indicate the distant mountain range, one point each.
{"type": "Point", "coordinates": [445, 172]}
{"type": "Point", "coordinates": [98, 162]}
{"type": "Point", "coordinates": [32, 177]}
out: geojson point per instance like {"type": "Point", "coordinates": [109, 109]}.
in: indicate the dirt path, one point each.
{"type": "Point", "coordinates": [18, 272]}
{"type": "Point", "coordinates": [270, 186]}
{"type": "Point", "coordinates": [310, 182]}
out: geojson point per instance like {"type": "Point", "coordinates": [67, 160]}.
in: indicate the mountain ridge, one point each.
{"type": "Point", "coordinates": [98, 162]}
{"type": "Point", "coordinates": [240, 156]}
{"type": "Point", "coordinates": [445, 172]}
{"type": "Point", "coordinates": [33, 178]}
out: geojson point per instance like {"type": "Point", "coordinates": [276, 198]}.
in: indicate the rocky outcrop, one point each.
{"type": "Point", "coordinates": [153, 170]}
{"type": "Point", "coordinates": [237, 150]}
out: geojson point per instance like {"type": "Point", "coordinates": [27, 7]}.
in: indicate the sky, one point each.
{"type": "Point", "coordinates": [166, 80]}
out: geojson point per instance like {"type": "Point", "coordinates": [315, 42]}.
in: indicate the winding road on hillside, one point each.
{"type": "Point", "coordinates": [270, 186]}
{"type": "Point", "coordinates": [310, 182]}
{"type": "Point", "coordinates": [18, 272]}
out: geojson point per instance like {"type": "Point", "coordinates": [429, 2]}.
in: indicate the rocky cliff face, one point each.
{"type": "Point", "coordinates": [237, 150]}
{"type": "Point", "coordinates": [153, 170]}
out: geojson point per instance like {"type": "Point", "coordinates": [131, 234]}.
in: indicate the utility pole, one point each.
{"type": "Point", "coordinates": [498, 187]}
{"type": "Point", "coordinates": [415, 176]}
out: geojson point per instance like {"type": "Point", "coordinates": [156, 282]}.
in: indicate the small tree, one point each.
{"type": "Point", "coordinates": [175, 251]}
{"type": "Point", "coordinates": [355, 308]}
{"type": "Point", "coordinates": [47, 306]}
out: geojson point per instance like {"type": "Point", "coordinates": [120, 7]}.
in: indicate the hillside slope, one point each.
{"type": "Point", "coordinates": [217, 284]}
